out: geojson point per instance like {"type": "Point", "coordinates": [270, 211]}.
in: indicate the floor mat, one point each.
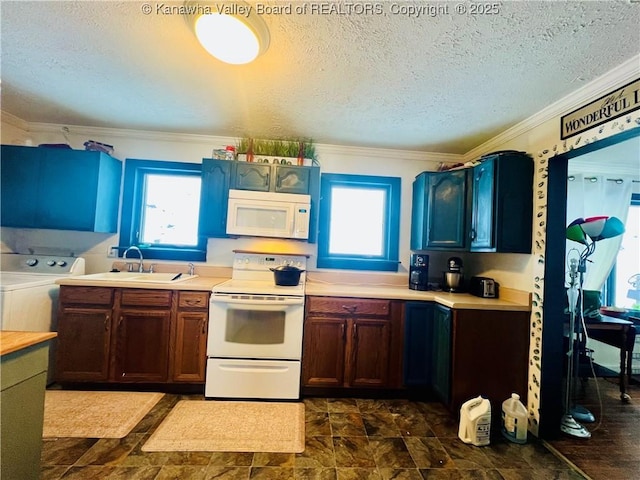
{"type": "Point", "coordinates": [220, 426]}
{"type": "Point", "coordinates": [69, 413]}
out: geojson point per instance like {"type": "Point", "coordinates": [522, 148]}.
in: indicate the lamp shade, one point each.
{"type": "Point", "coordinates": [575, 232]}
{"type": "Point", "coordinates": [594, 228]}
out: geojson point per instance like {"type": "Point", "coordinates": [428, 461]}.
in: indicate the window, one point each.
{"type": "Point", "coordinates": [160, 210]}
{"type": "Point", "coordinates": [359, 222]}
{"type": "Point", "coordinates": [622, 288]}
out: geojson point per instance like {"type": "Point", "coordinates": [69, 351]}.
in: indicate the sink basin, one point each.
{"type": "Point", "coordinates": [138, 277]}
{"type": "Point", "coordinates": [162, 277]}
{"type": "Point", "coordinates": [112, 276]}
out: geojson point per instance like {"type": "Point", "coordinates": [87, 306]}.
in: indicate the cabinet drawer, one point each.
{"type": "Point", "coordinates": [86, 295]}
{"type": "Point", "coordinates": [146, 298]}
{"type": "Point", "coordinates": [193, 299]}
{"type": "Point", "coordinates": [348, 306]}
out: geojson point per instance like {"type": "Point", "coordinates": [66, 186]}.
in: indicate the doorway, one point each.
{"type": "Point", "coordinates": [553, 287]}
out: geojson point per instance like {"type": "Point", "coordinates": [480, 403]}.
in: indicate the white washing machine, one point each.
{"type": "Point", "coordinates": [29, 294]}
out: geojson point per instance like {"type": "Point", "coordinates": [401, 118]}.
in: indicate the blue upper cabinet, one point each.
{"type": "Point", "coordinates": [214, 197]}
{"type": "Point", "coordinates": [502, 210]}
{"type": "Point", "coordinates": [440, 210]}
{"type": "Point", "coordinates": [59, 189]}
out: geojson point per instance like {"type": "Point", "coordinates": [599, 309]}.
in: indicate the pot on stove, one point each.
{"type": "Point", "coordinates": [287, 275]}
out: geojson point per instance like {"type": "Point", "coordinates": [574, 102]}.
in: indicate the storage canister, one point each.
{"type": "Point", "coordinates": [514, 419]}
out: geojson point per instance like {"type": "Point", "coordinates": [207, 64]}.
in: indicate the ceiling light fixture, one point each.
{"type": "Point", "coordinates": [230, 31]}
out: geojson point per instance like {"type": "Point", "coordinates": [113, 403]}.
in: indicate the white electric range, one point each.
{"type": "Point", "coordinates": [254, 345]}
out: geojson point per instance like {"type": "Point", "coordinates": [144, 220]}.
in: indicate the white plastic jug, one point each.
{"type": "Point", "coordinates": [475, 421]}
{"type": "Point", "coordinates": [514, 419]}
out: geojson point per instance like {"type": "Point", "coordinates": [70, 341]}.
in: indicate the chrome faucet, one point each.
{"type": "Point", "coordinates": [140, 264]}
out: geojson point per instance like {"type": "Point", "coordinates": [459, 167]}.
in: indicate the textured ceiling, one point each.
{"type": "Point", "coordinates": [442, 83]}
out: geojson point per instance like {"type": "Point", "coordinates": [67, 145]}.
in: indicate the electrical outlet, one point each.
{"type": "Point", "coordinates": [112, 252]}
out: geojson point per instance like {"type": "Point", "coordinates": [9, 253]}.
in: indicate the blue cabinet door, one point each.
{"type": "Point", "coordinates": [447, 210]}
{"type": "Point", "coordinates": [418, 343]}
{"type": "Point", "coordinates": [418, 212]}
{"type": "Point", "coordinates": [19, 173]}
{"type": "Point", "coordinates": [214, 197]}
{"type": "Point", "coordinates": [67, 191]}
{"type": "Point", "coordinates": [60, 189]}
{"type": "Point", "coordinates": [502, 211]}
{"type": "Point", "coordinates": [252, 176]}
{"type": "Point", "coordinates": [439, 211]}
{"type": "Point", "coordinates": [482, 217]}
{"type": "Point", "coordinates": [441, 353]}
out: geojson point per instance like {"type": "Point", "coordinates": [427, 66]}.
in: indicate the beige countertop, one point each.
{"type": "Point", "coordinates": [198, 283]}
{"type": "Point", "coordinates": [11, 341]}
{"type": "Point", "coordinates": [511, 300]}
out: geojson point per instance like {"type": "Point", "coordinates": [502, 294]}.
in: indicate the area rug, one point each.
{"type": "Point", "coordinates": [69, 413]}
{"type": "Point", "coordinates": [220, 426]}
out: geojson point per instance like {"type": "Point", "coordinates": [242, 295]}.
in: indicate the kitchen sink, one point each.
{"type": "Point", "coordinates": [156, 277]}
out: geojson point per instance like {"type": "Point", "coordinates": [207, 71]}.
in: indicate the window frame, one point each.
{"type": "Point", "coordinates": [389, 260]}
{"type": "Point", "coordinates": [610, 285]}
{"type": "Point", "coordinates": [132, 195]}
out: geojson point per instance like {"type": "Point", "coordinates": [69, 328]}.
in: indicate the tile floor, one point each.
{"type": "Point", "coordinates": [345, 439]}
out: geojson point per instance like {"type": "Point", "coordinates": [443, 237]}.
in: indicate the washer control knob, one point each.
{"type": "Point", "coordinates": [51, 263]}
{"type": "Point", "coordinates": [32, 262]}
{"type": "Point", "coordinates": [61, 263]}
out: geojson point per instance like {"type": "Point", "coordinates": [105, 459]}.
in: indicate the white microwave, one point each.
{"type": "Point", "coordinates": [268, 214]}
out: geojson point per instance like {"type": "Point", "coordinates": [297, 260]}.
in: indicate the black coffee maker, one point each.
{"type": "Point", "coordinates": [419, 272]}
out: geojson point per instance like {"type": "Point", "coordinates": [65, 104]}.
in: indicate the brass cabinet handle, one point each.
{"type": "Point", "coordinates": [350, 308]}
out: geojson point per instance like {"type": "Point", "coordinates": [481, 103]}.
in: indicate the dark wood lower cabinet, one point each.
{"type": "Point", "coordinates": [323, 351]}
{"type": "Point", "coordinates": [84, 337]}
{"type": "Point", "coordinates": [451, 354]}
{"type": "Point", "coordinates": [131, 335]}
{"type": "Point", "coordinates": [369, 362]}
{"type": "Point", "coordinates": [352, 343]}
{"type": "Point", "coordinates": [489, 352]}
{"type": "Point", "coordinates": [189, 339]}
{"type": "Point", "coordinates": [142, 346]}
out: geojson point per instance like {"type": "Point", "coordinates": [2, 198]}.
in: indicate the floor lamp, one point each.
{"type": "Point", "coordinates": [587, 232]}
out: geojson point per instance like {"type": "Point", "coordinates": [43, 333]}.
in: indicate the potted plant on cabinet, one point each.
{"type": "Point", "coordinates": [277, 151]}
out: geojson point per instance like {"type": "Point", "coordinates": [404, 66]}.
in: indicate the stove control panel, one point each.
{"type": "Point", "coordinates": [262, 262]}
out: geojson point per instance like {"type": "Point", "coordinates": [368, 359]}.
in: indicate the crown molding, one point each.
{"type": "Point", "coordinates": [615, 78]}
{"type": "Point", "coordinates": [387, 153]}
{"type": "Point", "coordinates": [153, 136]}
{"type": "Point", "coordinates": [14, 121]}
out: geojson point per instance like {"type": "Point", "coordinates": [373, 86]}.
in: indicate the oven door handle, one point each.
{"type": "Point", "coordinates": [246, 302]}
